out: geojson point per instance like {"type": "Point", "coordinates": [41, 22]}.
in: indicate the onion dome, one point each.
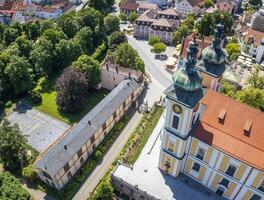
{"type": "Point", "coordinates": [187, 78]}
{"type": "Point", "coordinates": [215, 55]}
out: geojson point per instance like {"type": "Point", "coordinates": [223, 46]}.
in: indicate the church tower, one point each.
{"type": "Point", "coordinates": [182, 105]}
{"type": "Point", "coordinates": [214, 58]}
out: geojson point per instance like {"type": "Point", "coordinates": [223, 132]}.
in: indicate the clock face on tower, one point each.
{"type": "Point", "coordinates": [177, 109]}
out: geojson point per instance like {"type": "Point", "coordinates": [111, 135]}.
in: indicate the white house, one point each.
{"type": "Point", "coordinates": [186, 7]}
{"type": "Point", "coordinates": [48, 12]}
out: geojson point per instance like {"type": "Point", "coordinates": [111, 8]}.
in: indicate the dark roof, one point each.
{"type": "Point", "coordinates": [188, 99]}
{"type": "Point", "coordinates": [56, 157]}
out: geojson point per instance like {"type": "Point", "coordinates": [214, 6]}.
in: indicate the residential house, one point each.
{"type": "Point", "coordinates": [157, 23]}
{"type": "Point", "coordinates": [112, 74]}
{"type": "Point", "coordinates": [145, 6]}
{"type": "Point", "coordinates": [257, 21]}
{"type": "Point", "coordinates": [128, 7]}
{"type": "Point", "coordinates": [252, 42]}
{"type": "Point", "coordinates": [61, 161]}
{"type": "Point", "coordinates": [186, 7]}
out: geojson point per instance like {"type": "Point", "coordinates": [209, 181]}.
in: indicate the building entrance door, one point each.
{"type": "Point", "coordinates": [220, 191]}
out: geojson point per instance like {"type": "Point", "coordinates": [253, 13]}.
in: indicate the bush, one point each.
{"type": "Point", "coordinates": [35, 97]}
{"type": "Point", "coordinates": [153, 40]}
{"type": "Point", "coordinates": [98, 155]}
{"type": "Point", "coordinates": [29, 173]}
{"type": "Point", "coordinates": [8, 104]}
{"type": "Point", "coordinates": [100, 53]}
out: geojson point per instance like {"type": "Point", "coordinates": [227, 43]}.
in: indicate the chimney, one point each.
{"type": "Point", "coordinates": [247, 128]}
{"type": "Point", "coordinates": [221, 116]}
{"type": "Point", "coordinates": [65, 147]}
{"type": "Point", "coordinates": [89, 122]}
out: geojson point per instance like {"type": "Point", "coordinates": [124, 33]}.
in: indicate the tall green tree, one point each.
{"type": "Point", "coordinates": [90, 68]}
{"type": "Point", "coordinates": [24, 45]}
{"type": "Point", "coordinates": [132, 17]}
{"type": "Point", "coordinates": [255, 79]}
{"type": "Point", "coordinates": [182, 32]}
{"type": "Point", "coordinates": [117, 38]}
{"type": "Point", "coordinates": [12, 147]}
{"type": "Point", "coordinates": [68, 24]}
{"type": "Point", "coordinates": [20, 73]}
{"type": "Point", "coordinates": [233, 50]}
{"type": "Point", "coordinates": [204, 26]}
{"type": "Point", "coordinates": [85, 38]}
{"type": "Point", "coordinates": [53, 35]}
{"type": "Point", "coordinates": [66, 52]}
{"type": "Point", "coordinates": [43, 56]}
{"type": "Point", "coordinates": [111, 24]}
{"type": "Point", "coordinates": [10, 35]}
{"type": "Point", "coordinates": [128, 57]}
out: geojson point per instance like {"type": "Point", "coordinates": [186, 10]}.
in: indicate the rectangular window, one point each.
{"type": "Point", "coordinates": [66, 167]}
{"type": "Point", "coordinates": [69, 175]}
{"type": "Point", "coordinates": [224, 182]}
{"type": "Point", "coordinates": [124, 105]}
{"type": "Point", "coordinates": [92, 139]}
{"type": "Point", "coordinates": [46, 175]}
{"type": "Point", "coordinates": [255, 197]}
{"type": "Point", "coordinates": [114, 115]}
{"type": "Point", "coordinates": [81, 161]}
{"type": "Point", "coordinates": [79, 153]}
{"type": "Point", "coordinates": [200, 154]}
{"type": "Point", "coordinates": [196, 167]}
{"type": "Point", "coordinates": [175, 122]}
{"type": "Point", "coordinates": [261, 187]}
{"type": "Point", "coordinates": [231, 170]}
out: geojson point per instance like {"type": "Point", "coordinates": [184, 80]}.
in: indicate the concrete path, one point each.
{"type": "Point", "coordinates": [37, 194]}
{"type": "Point", "coordinates": [98, 173]}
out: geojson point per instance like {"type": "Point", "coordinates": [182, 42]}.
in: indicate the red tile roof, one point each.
{"type": "Point", "coordinates": [228, 135]}
{"type": "Point", "coordinates": [129, 6]}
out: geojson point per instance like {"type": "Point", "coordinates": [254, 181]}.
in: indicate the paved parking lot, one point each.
{"type": "Point", "coordinates": [39, 129]}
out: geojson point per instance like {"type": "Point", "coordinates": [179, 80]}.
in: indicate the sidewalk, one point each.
{"type": "Point", "coordinates": [98, 173]}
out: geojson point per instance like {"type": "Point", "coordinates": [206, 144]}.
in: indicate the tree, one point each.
{"type": "Point", "coordinates": [227, 21]}
{"type": "Point", "coordinates": [72, 89]}
{"type": "Point", "coordinates": [20, 73]}
{"type": "Point", "coordinates": [159, 47]}
{"type": "Point", "coordinates": [29, 173]}
{"type": "Point", "coordinates": [68, 24]}
{"type": "Point", "coordinates": [153, 40]}
{"type": "Point", "coordinates": [89, 17]}
{"type": "Point", "coordinates": [117, 38]}
{"type": "Point", "coordinates": [10, 35]}
{"type": "Point", "coordinates": [66, 52]}
{"type": "Point", "coordinates": [127, 57]}
{"type": "Point", "coordinates": [12, 146]}
{"type": "Point", "coordinates": [208, 3]}
{"type": "Point", "coordinates": [251, 96]}
{"type": "Point", "coordinates": [233, 50]}
{"type": "Point", "coordinates": [54, 36]}
{"type": "Point", "coordinates": [85, 39]}
{"type": "Point", "coordinates": [24, 46]}
{"type": "Point", "coordinates": [11, 188]}
{"type": "Point", "coordinates": [132, 17]}
{"type": "Point", "coordinates": [182, 32]}
{"type": "Point", "coordinates": [106, 191]}
{"type": "Point", "coordinates": [123, 17]}
{"type": "Point", "coordinates": [228, 89]}
{"type": "Point", "coordinates": [90, 68]}
{"type": "Point", "coordinates": [32, 30]}
{"type": "Point", "coordinates": [255, 79]}
{"type": "Point", "coordinates": [204, 26]}
{"type": "Point", "coordinates": [111, 24]}
{"type": "Point", "coordinates": [42, 56]}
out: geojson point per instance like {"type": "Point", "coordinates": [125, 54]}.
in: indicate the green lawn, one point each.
{"type": "Point", "coordinates": [50, 107]}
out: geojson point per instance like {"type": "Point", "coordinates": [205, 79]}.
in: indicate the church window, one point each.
{"type": "Point", "coordinates": [261, 187]}
{"type": "Point", "coordinates": [196, 167]}
{"type": "Point", "coordinates": [255, 197]}
{"type": "Point", "coordinates": [175, 122]}
{"type": "Point", "coordinates": [200, 154]}
{"type": "Point", "coordinates": [231, 170]}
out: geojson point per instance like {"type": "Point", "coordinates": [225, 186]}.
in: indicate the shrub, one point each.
{"type": "Point", "coordinates": [35, 97]}
{"type": "Point", "coordinates": [153, 40]}
{"type": "Point", "coordinates": [29, 173]}
{"type": "Point", "coordinates": [100, 53]}
{"type": "Point", "coordinates": [8, 104]}
{"type": "Point", "coordinates": [98, 155]}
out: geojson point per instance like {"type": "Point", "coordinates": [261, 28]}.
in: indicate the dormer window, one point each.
{"type": "Point", "coordinates": [247, 128]}
{"type": "Point", "coordinates": [222, 115]}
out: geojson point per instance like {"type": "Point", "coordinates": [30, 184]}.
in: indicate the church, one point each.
{"type": "Point", "coordinates": [207, 136]}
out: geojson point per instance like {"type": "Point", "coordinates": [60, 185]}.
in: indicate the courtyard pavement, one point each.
{"type": "Point", "coordinates": [40, 130]}
{"type": "Point", "coordinates": [146, 175]}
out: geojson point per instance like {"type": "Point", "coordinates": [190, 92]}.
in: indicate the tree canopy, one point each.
{"type": "Point", "coordinates": [111, 24]}
{"type": "Point", "coordinates": [132, 17]}
{"type": "Point", "coordinates": [72, 89]}
{"type": "Point", "coordinates": [233, 50]}
{"type": "Point", "coordinates": [117, 38]}
{"type": "Point", "coordinates": [128, 57]}
{"type": "Point", "coordinates": [159, 47]}
{"type": "Point", "coordinates": [153, 40]}
{"type": "Point", "coordinates": [12, 147]}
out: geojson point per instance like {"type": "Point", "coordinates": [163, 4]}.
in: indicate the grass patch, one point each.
{"type": "Point", "coordinates": [149, 121]}
{"type": "Point", "coordinates": [50, 107]}
{"type": "Point", "coordinates": [72, 187]}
